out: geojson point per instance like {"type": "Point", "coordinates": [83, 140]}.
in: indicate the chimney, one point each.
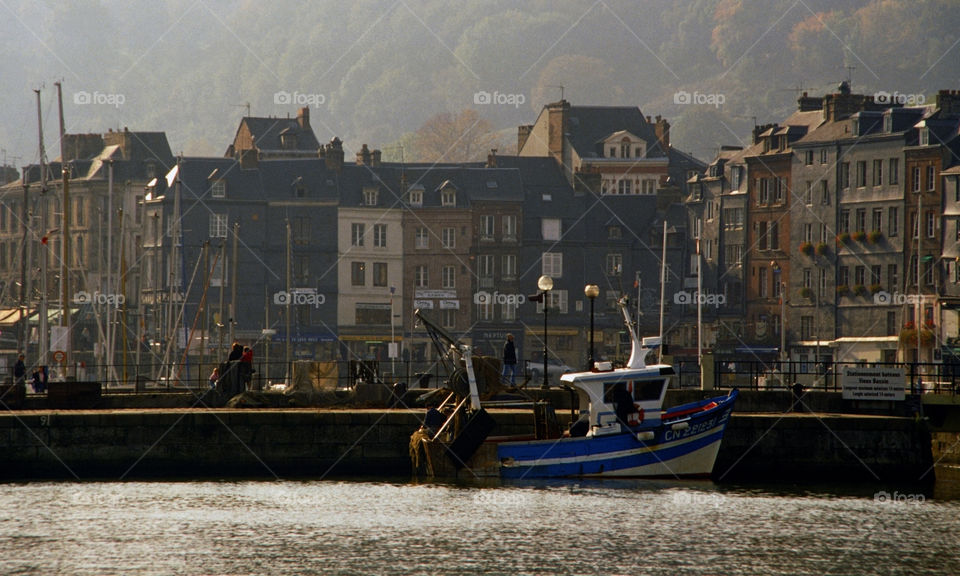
{"type": "Point", "coordinates": [948, 103]}
{"type": "Point", "coordinates": [303, 118]}
{"type": "Point", "coordinates": [523, 132]}
{"type": "Point", "coordinates": [492, 158]}
{"type": "Point", "coordinates": [662, 130]}
{"type": "Point", "coordinates": [809, 103]}
{"type": "Point", "coordinates": [375, 158]}
{"type": "Point", "coordinates": [557, 114]}
{"type": "Point", "coordinates": [363, 156]}
{"type": "Point", "coordinates": [758, 130]}
{"type": "Point", "coordinates": [249, 159]}
{"type": "Point", "coordinates": [333, 155]}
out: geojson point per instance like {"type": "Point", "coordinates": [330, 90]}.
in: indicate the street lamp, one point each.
{"type": "Point", "coordinates": [545, 284]}
{"type": "Point", "coordinates": [591, 291]}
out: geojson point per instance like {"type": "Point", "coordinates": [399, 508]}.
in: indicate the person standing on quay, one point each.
{"type": "Point", "coordinates": [20, 372]}
{"type": "Point", "coordinates": [509, 361]}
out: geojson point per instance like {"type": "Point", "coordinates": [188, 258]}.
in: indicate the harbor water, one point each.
{"type": "Point", "coordinates": [363, 526]}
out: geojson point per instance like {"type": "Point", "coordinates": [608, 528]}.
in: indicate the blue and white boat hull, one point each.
{"type": "Point", "coordinates": [684, 443]}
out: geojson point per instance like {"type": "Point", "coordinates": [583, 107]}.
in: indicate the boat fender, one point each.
{"type": "Point", "coordinates": [680, 426]}
{"type": "Point", "coordinates": [645, 435]}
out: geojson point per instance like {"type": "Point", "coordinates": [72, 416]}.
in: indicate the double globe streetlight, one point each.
{"type": "Point", "coordinates": [591, 291]}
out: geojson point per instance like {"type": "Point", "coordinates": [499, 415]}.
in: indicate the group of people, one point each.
{"type": "Point", "coordinates": [241, 357]}
{"type": "Point", "coordinates": [38, 380]}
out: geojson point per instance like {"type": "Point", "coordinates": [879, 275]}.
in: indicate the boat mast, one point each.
{"type": "Point", "coordinates": [65, 244]}
{"type": "Point", "coordinates": [663, 283]}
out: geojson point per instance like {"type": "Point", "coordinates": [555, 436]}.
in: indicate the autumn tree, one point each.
{"type": "Point", "coordinates": [461, 137]}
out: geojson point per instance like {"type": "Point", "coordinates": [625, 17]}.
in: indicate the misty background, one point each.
{"type": "Point", "coordinates": [377, 71]}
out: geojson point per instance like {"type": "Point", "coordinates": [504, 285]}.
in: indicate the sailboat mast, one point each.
{"type": "Point", "coordinates": [663, 283]}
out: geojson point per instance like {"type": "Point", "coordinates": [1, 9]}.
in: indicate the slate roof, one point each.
{"type": "Point", "coordinates": [588, 126]}
{"type": "Point", "coordinates": [266, 134]}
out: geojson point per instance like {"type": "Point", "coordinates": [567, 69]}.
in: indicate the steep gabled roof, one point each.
{"type": "Point", "coordinates": [589, 126]}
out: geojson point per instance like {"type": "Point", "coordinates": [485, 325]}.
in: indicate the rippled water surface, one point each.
{"type": "Point", "coordinates": [377, 527]}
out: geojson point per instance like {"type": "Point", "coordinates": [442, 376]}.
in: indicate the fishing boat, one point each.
{"type": "Point", "coordinates": [625, 431]}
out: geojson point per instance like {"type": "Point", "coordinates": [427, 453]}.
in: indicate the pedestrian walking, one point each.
{"type": "Point", "coordinates": [20, 372]}
{"type": "Point", "coordinates": [509, 361]}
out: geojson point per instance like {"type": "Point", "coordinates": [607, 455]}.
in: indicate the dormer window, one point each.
{"type": "Point", "coordinates": [218, 189]}
{"type": "Point", "coordinates": [288, 140]}
{"type": "Point", "coordinates": [151, 170]}
{"type": "Point", "coordinates": [888, 123]}
{"type": "Point", "coordinates": [925, 136]}
{"type": "Point", "coordinates": [625, 148]}
{"type": "Point", "coordinates": [416, 198]}
{"type": "Point", "coordinates": [613, 152]}
{"type": "Point", "coordinates": [370, 196]}
{"type": "Point", "coordinates": [614, 233]}
{"type": "Point", "coordinates": [448, 197]}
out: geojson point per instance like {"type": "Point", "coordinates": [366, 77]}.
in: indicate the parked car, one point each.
{"type": "Point", "coordinates": [555, 369]}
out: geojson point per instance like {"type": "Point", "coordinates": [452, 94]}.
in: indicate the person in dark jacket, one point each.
{"type": "Point", "coordinates": [20, 372]}
{"type": "Point", "coordinates": [509, 361]}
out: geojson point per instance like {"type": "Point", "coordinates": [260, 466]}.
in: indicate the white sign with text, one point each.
{"type": "Point", "coordinates": [873, 383]}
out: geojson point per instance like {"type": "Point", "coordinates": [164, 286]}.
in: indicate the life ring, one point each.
{"type": "Point", "coordinates": [59, 356]}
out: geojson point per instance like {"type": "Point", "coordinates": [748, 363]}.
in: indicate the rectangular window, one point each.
{"type": "Point", "coordinates": [844, 175]}
{"type": "Point", "coordinates": [762, 282]}
{"type": "Point", "coordinates": [931, 220]}
{"type": "Point", "coordinates": [915, 184]}
{"type": "Point", "coordinates": [624, 187]}
{"type": "Point", "coordinates": [370, 196]}
{"type": "Point", "coordinates": [843, 278]}
{"type": "Point", "coordinates": [893, 221]}
{"type": "Point", "coordinates": [301, 230]}
{"type": "Point", "coordinates": [614, 264]}
{"type": "Point", "coordinates": [859, 275]}
{"type": "Point", "coordinates": [808, 232]}
{"type": "Point", "coordinates": [780, 190]}
{"type": "Point", "coordinates": [915, 225]}
{"type": "Point", "coordinates": [893, 171]}
{"type": "Point", "coordinates": [551, 228]}
{"type": "Point", "coordinates": [421, 277]}
{"type": "Point", "coordinates": [508, 312]}
{"type": "Point", "coordinates": [448, 237]}
{"type": "Point", "coordinates": [301, 269]}
{"type": "Point", "coordinates": [356, 234]}
{"type": "Point", "coordinates": [422, 237]}
{"type": "Point", "coordinates": [774, 235]}
{"type": "Point", "coordinates": [931, 179]}
{"type": "Point", "coordinates": [861, 219]}
{"type": "Point", "coordinates": [808, 157]}
{"type": "Point", "coordinates": [218, 189]}
{"type": "Point", "coordinates": [806, 327]}
{"type": "Point", "coordinates": [448, 318]}
{"type": "Point", "coordinates": [824, 193]}
{"type": "Point", "coordinates": [509, 227]}
{"type": "Point", "coordinates": [358, 272]}
{"type": "Point", "coordinates": [807, 278]}
{"type": "Point", "coordinates": [878, 172]}
{"type": "Point", "coordinates": [486, 227]}
{"type": "Point", "coordinates": [553, 264]}
{"type": "Point", "coordinates": [485, 270]}
{"type": "Point", "coordinates": [762, 236]}
{"type": "Point", "coordinates": [861, 173]}
{"type": "Point", "coordinates": [448, 198]}
{"type": "Point", "coordinates": [416, 198]}
{"type": "Point", "coordinates": [448, 277]}
{"type": "Point", "coordinates": [877, 220]}
{"type": "Point", "coordinates": [380, 235]}
{"type": "Point", "coordinates": [218, 225]}
{"type": "Point", "coordinates": [380, 274]}
{"type": "Point", "coordinates": [509, 269]}
{"type": "Point", "coordinates": [892, 278]}
{"type": "Point", "coordinates": [823, 155]}
{"type": "Point", "coordinates": [844, 224]}
{"type": "Point", "coordinates": [875, 275]}
{"type": "Point", "coordinates": [808, 193]}
{"type": "Point", "coordinates": [764, 190]}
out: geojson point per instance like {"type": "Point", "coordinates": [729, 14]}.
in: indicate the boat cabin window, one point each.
{"type": "Point", "coordinates": [642, 391]}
